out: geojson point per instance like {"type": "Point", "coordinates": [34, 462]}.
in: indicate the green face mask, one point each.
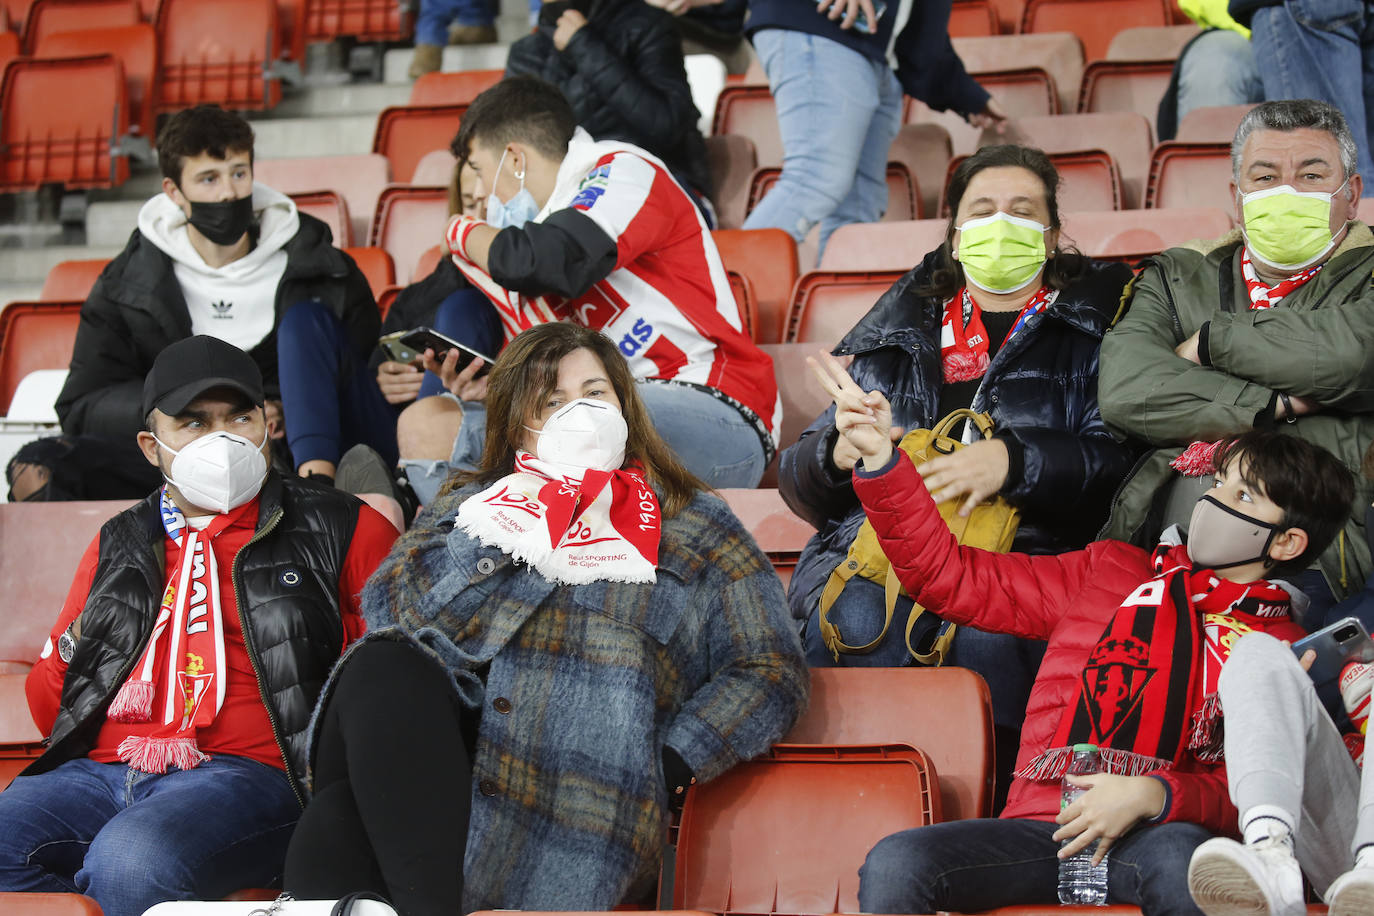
{"type": "Point", "coordinates": [1001, 253]}
{"type": "Point", "coordinates": [1286, 228]}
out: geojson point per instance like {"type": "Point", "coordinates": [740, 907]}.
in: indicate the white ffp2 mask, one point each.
{"type": "Point", "coordinates": [219, 471]}
{"type": "Point", "coordinates": [584, 433]}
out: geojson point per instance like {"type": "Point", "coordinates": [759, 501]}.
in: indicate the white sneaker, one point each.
{"type": "Point", "coordinates": [1352, 894]}
{"type": "Point", "coordinates": [1227, 878]}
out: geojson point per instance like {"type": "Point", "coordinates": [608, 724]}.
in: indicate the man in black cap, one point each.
{"type": "Point", "coordinates": [178, 683]}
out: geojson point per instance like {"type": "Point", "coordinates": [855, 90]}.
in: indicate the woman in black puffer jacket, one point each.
{"type": "Point", "coordinates": [1027, 355]}
{"type": "Point", "coordinates": [623, 74]}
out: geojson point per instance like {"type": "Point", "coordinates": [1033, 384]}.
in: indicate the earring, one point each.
{"type": "Point", "coordinates": [519, 174]}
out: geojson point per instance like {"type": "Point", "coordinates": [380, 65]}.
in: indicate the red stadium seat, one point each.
{"type": "Point", "coordinates": [1060, 54]}
{"type": "Point", "coordinates": [1366, 209]}
{"type": "Point", "coordinates": [748, 839]}
{"type": "Point", "coordinates": [135, 46]}
{"type": "Point", "coordinates": [882, 246]}
{"type": "Point", "coordinates": [385, 298]}
{"type": "Point", "coordinates": [69, 143]}
{"type": "Point", "coordinates": [376, 265]}
{"type": "Point", "coordinates": [406, 132]}
{"type": "Point", "coordinates": [972, 18]}
{"type": "Point", "coordinates": [16, 13]}
{"type": "Point", "coordinates": [902, 200]}
{"type": "Point", "coordinates": [428, 261]}
{"type": "Point", "coordinates": [459, 88]}
{"type": "Point", "coordinates": [218, 51]}
{"type": "Point", "coordinates": [358, 178]}
{"type": "Point", "coordinates": [1009, 14]}
{"type": "Point", "coordinates": [780, 534]}
{"type": "Point", "coordinates": [1190, 175]}
{"type": "Point", "coordinates": [365, 20]}
{"type": "Point", "coordinates": [330, 209]}
{"type": "Point", "coordinates": [48, 17]}
{"type": "Point", "coordinates": [1151, 42]}
{"type": "Point", "coordinates": [1211, 124]}
{"type": "Point", "coordinates": [34, 335]}
{"type": "Point", "coordinates": [749, 112]}
{"type": "Point", "coordinates": [1125, 85]}
{"type": "Point", "coordinates": [291, 20]}
{"type": "Point", "coordinates": [409, 219]}
{"type": "Point", "coordinates": [1089, 180]}
{"type": "Point", "coordinates": [925, 151]}
{"type": "Point", "coordinates": [434, 167]}
{"type": "Point", "coordinates": [943, 711]}
{"type": "Point", "coordinates": [20, 740]}
{"type": "Point", "coordinates": [827, 304]}
{"type": "Point", "coordinates": [1129, 235]}
{"type": "Point", "coordinates": [9, 48]}
{"type": "Point", "coordinates": [748, 304]}
{"type": "Point", "coordinates": [802, 401]}
{"type": "Point", "coordinates": [1124, 135]}
{"type": "Point", "coordinates": [1094, 21]}
{"type": "Point", "coordinates": [732, 161]}
{"type": "Point", "coordinates": [71, 281]}
{"type": "Point", "coordinates": [31, 904]}
{"type": "Point", "coordinates": [768, 257]}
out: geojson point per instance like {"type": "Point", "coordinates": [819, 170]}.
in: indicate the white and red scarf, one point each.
{"type": "Point", "coordinates": [572, 525]}
{"type": "Point", "coordinates": [1264, 296]}
{"type": "Point", "coordinates": [1148, 690]}
{"type": "Point", "coordinates": [187, 644]}
{"type": "Point", "coordinates": [964, 339]}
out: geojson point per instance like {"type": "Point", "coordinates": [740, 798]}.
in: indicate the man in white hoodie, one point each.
{"type": "Point", "coordinates": [219, 255]}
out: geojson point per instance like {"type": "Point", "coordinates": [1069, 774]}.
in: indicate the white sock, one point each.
{"type": "Point", "coordinates": [1264, 822]}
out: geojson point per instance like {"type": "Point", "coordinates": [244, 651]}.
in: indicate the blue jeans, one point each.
{"type": "Point", "coordinates": [1313, 49]}
{"type": "Point", "coordinates": [858, 614]}
{"type": "Point", "coordinates": [431, 25]}
{"type": "Point", "coordinates": [1218, 69]}
{"type": "Point", "coordinates": [469, 318]}
{"type": "Point", "coordinates": [329, 395]}
{"type": "Point", "coordinates": [977, 865]}
{"type": "Point", "coordinates": [131, 840]}
{"type": "Point", "coordinates": [838, 113]}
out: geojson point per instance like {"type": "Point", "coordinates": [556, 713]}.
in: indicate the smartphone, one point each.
{"type": "Point", "coordinates": [863, 25]}
{"type": "Point", "coordinates": [1336, 645]}
{"type": "Point", "coordinates": [409, 346]}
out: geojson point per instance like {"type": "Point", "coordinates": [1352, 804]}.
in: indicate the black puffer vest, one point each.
{"type": "Point", "coordinates": [287, 579]}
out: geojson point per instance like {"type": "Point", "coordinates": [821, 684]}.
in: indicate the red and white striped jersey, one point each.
{"type": "Point", "coordinates": [667, 301]}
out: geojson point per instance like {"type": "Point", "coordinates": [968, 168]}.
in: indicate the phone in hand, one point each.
{"type": "Point", "coordinates": [1336, 646]}
{"type": "Point", "coordinates": [409, 346]}
{"type": "Point", "coordinates": [862, 24]}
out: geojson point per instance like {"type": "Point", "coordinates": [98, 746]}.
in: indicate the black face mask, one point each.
{"type": "Point", "coordinates": [224, 221]}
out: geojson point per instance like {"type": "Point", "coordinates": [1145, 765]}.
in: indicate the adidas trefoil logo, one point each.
{"type": "Point", "coordinates": [222, 309]}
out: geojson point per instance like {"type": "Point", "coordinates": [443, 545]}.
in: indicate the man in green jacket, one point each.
{"type": "Point", "coordinates": [1272, 324]}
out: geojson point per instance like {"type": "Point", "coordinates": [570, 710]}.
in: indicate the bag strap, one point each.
{"type": "Point", "coordinates": [830, 634]}
{"type": "Point", "coordinates": [983, 422]}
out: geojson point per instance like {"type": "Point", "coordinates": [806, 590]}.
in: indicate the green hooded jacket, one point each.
{"type": "Point", "coordinates": [1318, 343]}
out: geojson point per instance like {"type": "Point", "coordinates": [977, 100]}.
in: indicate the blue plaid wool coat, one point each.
{"type": "Point", "coordinates": [585, 686]}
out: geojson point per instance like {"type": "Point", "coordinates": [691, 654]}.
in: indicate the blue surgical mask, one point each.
{"type": "Point", "coordinates": [516, 212]}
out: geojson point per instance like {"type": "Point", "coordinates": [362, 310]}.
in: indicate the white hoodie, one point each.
{"type": "Point", "coordinates": [236, 302]}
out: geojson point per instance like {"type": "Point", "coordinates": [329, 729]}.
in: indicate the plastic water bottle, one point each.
{"type": "Point", "coordinates": [1080, 881]}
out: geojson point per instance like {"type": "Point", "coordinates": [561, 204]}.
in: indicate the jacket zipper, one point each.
{"type": "Point", "coordinates": [247, 628]}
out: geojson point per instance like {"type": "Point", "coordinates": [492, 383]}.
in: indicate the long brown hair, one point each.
{"type": "Point", "coordinates": [1063, 268]}
{"type": "Point", "coordinates": [526, 373]}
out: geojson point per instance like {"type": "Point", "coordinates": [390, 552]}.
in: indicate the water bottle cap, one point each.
{"type": "Point", "coordinates": [1082, 748]}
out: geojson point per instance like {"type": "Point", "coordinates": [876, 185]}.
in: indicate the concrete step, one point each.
{"type": "Point", "coordinates": [29, 266]}
{"type": "Point", "coordinates": [344, 99]}
{"type": "Point", "coordinates": [108, 223]}
{"type": "Point", "coordinates": [19, 292]}
{"type": "Point", "coordinates": [315, 136]}
{"type": "Point", "coordinates": [396, 64]}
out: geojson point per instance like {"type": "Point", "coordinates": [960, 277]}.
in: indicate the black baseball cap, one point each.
{"type": "Point", "coordinates": [188, 368]}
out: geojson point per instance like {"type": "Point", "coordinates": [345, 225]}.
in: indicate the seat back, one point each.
{"type": "Point", "coordinates": [69, 143]}
{"type": "Point", "coordinates": [882, 246]}
{"type": "Point", "coordinates": [20, 740]}
{"type": "Point", "coordinates": [972, 18]}
{"type": "Point", "coordinates": [780, 534]}
{"type": "Point", "coordinates": [359, 177]}
{"type": "Point", "coordinates": [1151, 42]}
{"type": "Point", "coordinates": [827, 304]}
{"type": "Point", "coordinates": [1190, 175]}
{"type": "Point", "coordinates": [1129, 235]}
{"type": "Point", "coordinates": [427, 261]}
{"type": "Point", "coordinates": [1125, 85]}
{"type": "Point", "coordinates": [434, 167]}
{"type": "Point", "coordinates": [902, 200]}
{"type": "Point", "coordinates": [406, 132]}
{"type": "Point", "coordinates": [135, 46]}
{"type": "Point", "coordinates": [386, 298]}
{"type": "Point", "coordinates": [365, 20]}
{"type": "Point", "coordinates": [749, 111]}
{"type": "Point", "coordinates": [24, 903]}
{"type": "Point", "coordinates": [1211, 124]}
{"type": "Point", "coordinates": [732, 161]}
{"type": "Point", "coordinates": [33, 336]}
{"type": "Point", "coordinates": [803, 401]}
{"type": "Point", "coordinates": [1124, 135]}
{"type": "Point", "coordinates": [40, 547]}
{"type": "Point", "coordinates": [459, 88]}
{"type": "Point", "coordinates": [71, 281]}
{"type": "Point", "coordinates": [376, 265]}
{"type": "Point", "coordinates": [745, 300]}
{"type": "Point", "coordinates": [9, 48]}
{"type": "Point", "coordinates": [409, 219]}
{"type": "Point", "coordinates": [925, 151]}
{"type": "Point", "coordinates": [1058, 54]}
{"type": "Point", "coordinates": [330, 209]}
{"type": "Point", "coordinates": [944, 711]}
{"type": "Point", "coordinates": [768, 257]}
{"type": "Point", "coordinates": [48, 17]}
{"type": "Point", "coordinates": [1094, 21]}
{"type": "Point", "coordinates": [218, 52]}
{"type": "Point", "coordinates": [748, 839]}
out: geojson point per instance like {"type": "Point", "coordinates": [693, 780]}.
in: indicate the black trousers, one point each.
{"type": "Point", "coordinates": [392, 787]}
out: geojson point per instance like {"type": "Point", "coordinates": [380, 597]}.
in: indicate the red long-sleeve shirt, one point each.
{"type": "Point", "coordinates": [241, 728]}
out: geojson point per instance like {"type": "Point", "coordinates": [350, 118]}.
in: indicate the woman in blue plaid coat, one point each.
{"type": "Point", "coordinates": [606, 633]}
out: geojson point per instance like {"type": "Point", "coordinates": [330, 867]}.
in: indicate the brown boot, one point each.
{"type": "Point", "coordinates": [427, 59]}
{"type": "Point", "coordinates": [472, 35]}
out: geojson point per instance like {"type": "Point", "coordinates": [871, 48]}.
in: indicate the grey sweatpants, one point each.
{"type": "Point", "coordinates": [1283, 749]}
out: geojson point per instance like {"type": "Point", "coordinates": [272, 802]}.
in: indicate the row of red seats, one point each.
{"type": "Point", "coordinates": [1096, 22]}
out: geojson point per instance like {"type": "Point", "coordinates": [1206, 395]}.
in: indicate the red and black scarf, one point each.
{"type": "Point", "coordinates": [1148, 690]}
{"type": "Point", "coordinates": [964, 341]}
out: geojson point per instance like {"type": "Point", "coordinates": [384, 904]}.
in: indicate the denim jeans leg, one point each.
{"type": "Point", "coordinates": [826, 98]}
{"type": "Point", "coordinates": [1313, 48]}
{"type": "Point", "coordinates": [965, 866]}
{"type": "Point", "coordinates": [866, 201]}
{"type": "Point", "coordinates": [431, 25]}
{"type": "Point", "coordinates": [1148, 867]}
{"type": "Point", "coordinates": [1218, 69]}
{"type": "Point", "coordinates": [858, 614]}
{"type": "Point", "coordinates": [711, 438]}
{"type": "Point", "coordinates": [49, 821]}
{"type": "Point", "coordinates": [191, 835]}
{"type": "Point", "coordinates": [329, 396]}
